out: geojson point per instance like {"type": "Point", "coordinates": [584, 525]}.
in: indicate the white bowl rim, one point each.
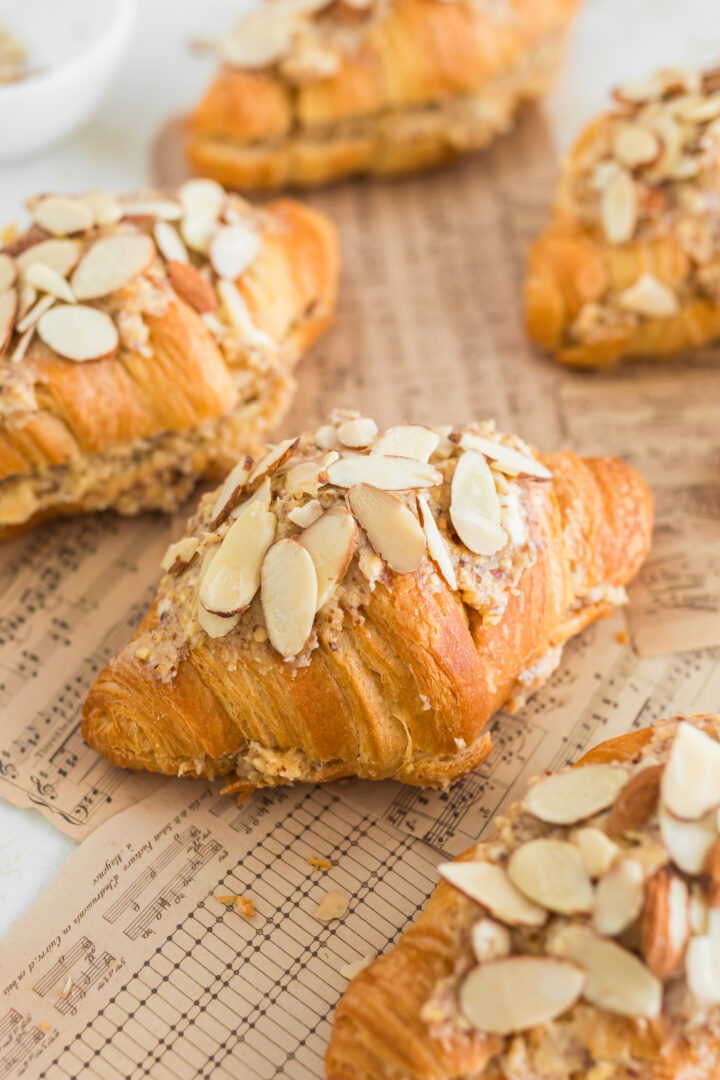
{"type": "Point", "coordinates": [124, 16]}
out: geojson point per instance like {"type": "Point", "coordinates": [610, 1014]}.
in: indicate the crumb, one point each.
{"type": "Point", "coordinates": [319, 863]}
{"type": "Point", "coordinates": [45, 1025]}
{"type": "Point", "coordinates": [67, 988]}
{"type": "Point", "coordinates": [242, 904]}
{"type": "Point", "coordinates": [621, 637]}
{"type": "Point", "coordinates": [334, 905]}
{"type": "Point", "coordinates": [349, 971]}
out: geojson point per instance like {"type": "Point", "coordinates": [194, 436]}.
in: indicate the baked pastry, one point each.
{"type": "Point", "coordinates": [147, 341]}
{"type": "Point", "coordinates": [583, 940]}
{"type": "Point", "coordinates": [357, 603]}
{"type": "Point", "coordinates": [630, 263]}
{"type": "Point", "coordinates": [310, 91]}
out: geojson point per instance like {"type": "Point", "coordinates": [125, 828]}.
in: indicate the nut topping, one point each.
{"type": "Point", "coordinates": [568, 797]}
{"type": "Point", "coordinates": [551, 873]}
{"type": "Point", "coordinates": [489, 885]}
{"type": "Point", "coordinates": [475, 506]}
{"type": "Point", "coordinates": [615, 979]}
{"type": "Point", "coordinates": [619, 208]}
{"type": "Point", "coordinates": [178, 555]}
{"type": "Point", "coordinates": [8, 272]}
{"type": "Point", "coordinates": [288, 589]}
{"type": "Point", "coordinates": [232, 249]}
{"type": "Point", "coordinates": [519, 992]}
{"type": "Point", "coordinates": [78, 333]}
{"type": "Point", "coordinates": [665, 925]}
{"type": "Point", "coordinates": [637, 801]}
{"type": "Point", "coordinates": [192, 287]}
{"type": "Point", "coordinates": [691, 782]}
{"type": "Point", "coordinates": [619, 897]}
{"type": "Point", "coordinates": [649, 297]}
{"type": "Point", "coordinates": [59, 255]}
{"type": "Point", "coordinates": [331, 542]}
{"type": "Point", "coordinates": [61, 215]}
{"type": "Point", "coordinates": [47, 280]}
{"type": "Point", "coordinates": [110, 264]}
{"type": "Point", "coordinates": [688, 842]}
{"type": "Point", "coordinates": [357, 434]}
{"type": "Point", "coordinates": [233, 576]}
{"type": "Point", "coordinates": [392, 529]}
{"type": "Point", "coordinates": [8, 307]}
{"type": "Point", "coordinates": [408, 441]}
{"type": "Point", "coordinates": [436, 546]}
{"type": "Point", "coordinates": [386, 473]}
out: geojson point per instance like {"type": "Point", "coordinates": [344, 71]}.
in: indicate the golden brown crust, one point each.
{"type": "Point", "coordinates": [406, 689]}
{"type": "Point", "coordinates": [256, 129]}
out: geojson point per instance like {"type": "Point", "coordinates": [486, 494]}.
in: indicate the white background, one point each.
{"type": "Point", "coordinates": [614, 40]}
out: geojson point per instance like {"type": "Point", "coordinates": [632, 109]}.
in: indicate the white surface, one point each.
{"type": "Point", "coordinates": [613, 40]}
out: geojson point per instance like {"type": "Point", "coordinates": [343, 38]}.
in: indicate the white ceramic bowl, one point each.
{"type": "Point", "coordinates": [76, 46]}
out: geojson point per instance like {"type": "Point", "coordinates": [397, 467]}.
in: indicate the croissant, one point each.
{"type": "Point", "coordinates": [629, 265]}
{"type": "Point", "coordinates": [311, 92]}
{"type": "Point", "coordinates": [147, 341]}
{"type": "Point", "coordinates": [361, 603]}
{"type": "Point", "coordinates": [583, 940]}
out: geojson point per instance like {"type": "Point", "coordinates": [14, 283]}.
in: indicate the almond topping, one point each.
{"type": "Point", "coordinates": [551, 873]}
{"type": "Point", "coordinates": [31, 317]}
{"type": "Point", "coordinates": [702, 966]}
{"type": "Point", "coordinates": [665, 924]}
{"type": "Point", "coordinates": [519, 992]}
{"type": "Point", "coordinates": [637, 801]}
{"type": "Point", "coordinates": [59, 255]}
{"type": "Point", "coordinates": [202, 199]}
{"type": "Point", "coordinates": [105, 209]}
{"type": "Point", "coordinates": [597, 850]}
{"type": "Point", "coordinates": [232, 249]}
{"type": "Point", "coordinates": [179, 554]}
{"type": "Point", "coordinates": [568, 797]}
{"type": "Point", "coordinates": [387, 473]}
{"type": "Point", "coordinates": [488, 885]}
{"type": "Point", "coordinates": [504, 458]}
{"type": "Point", "coordinates": [233, 576]}
{"type": "Point", "coordinates": [711, 875]}
{"type": "Point", "coordinates": [273, 460]}
{"type": "Point", "coordinates": [161, 209]}
{"type": "Point", "coordinates": [688, 842]}
{"type": "Point", "coordinates": [8, 307]}
{"type": "Point", "coordinates": [306, 515]}
{"type": "Point", "coordinates": [408, 441]}
{"type": "Point", "coordinates": [238, 314]}
{"type": "Point", "coordinates": [357, 434]}
{"type": "Point", "coordinates": [475, 506]}
{"type": "Point", "coordinates": [169, 243]}
{"type": "Point", "coordinates": [392, 529]}
{"type": "Point", "coordinates": [288, 590]}
{"type": "Point", "coordinates": [437, 548]}
{"type": "Point", "coordinates": [192, 287]}
{"type": "Point", "coordinates": [47, 280]}
{"type": "Point", "coordinates": [648, 296]}
{"type": "Point", "coordinates": [261, 38]}
{"type": "Point", "coordinates": [490, 940]}
{"type": "Point", "coordinates": [691, 781]}
{"type": "Point", "coordinates": [197, 232]}
{"type": "Point", "coordinates": [230, 491]}
{"type": "Point", "coordinates": [62, 215]}
{"type": "Point", "coordinates": [110, 264]}
{"type": "Point", "coordinates": [8, 272]}
{"type": "Point", "coordinates": [619, 208]}
{"type": "Point", "coordinates": [619, 897]}
{"type": "Point", "coordinates": [78, 333]}
{"type": "Point", "coordinates": [330, 542]}
{"type": "Point", "coordinates": [615, 979]}
{"type": "Point", "coordinates": [216, 626]}
{"type": "Point", "coordinates": [635, 145]}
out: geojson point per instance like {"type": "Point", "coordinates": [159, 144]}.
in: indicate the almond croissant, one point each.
{"type": "Point", "coordinates": [147, 341]}
{"type": "Point", "coordinates": [356, 603]}
{"type": "Point", "coordinates": [630, 263]}
{"type": "Point", "coordinates": [583, 940]}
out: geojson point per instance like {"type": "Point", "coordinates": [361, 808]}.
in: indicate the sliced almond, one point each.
{"type": "Point", "coordinates": [26, 298]}
{"type": "Point", "coordinates": [62, 215]}
{"type": "Point", "coordinates": [111, 264]}
{"type": "Point", "coordinates": [665, 924]}
{"type": "Point", "coordinates": [475, 507]}
{"type": "Point", "coordinates": [702, 969]}
{"type": "Point", "coordinates": [698, 911]}
{"type": "Point", "coordinates": [437, 548]}
{"type": "Point", "coordinates": [597, 850]}
{"type": "Point", "coordinates": [179, 554]}
{"type": "Point", "coordinates": [615, 979]}
{"type": "Point", "coordinates": [551, 873]}
{"type": "Point", "coordinates": [8, 272]}
{"type": "Point", "coordinates": [273, 460]}
{"type": "Point", "coordinates": [490, 940]}
{"type": "Point", "coordinates": [230, 491]}
{"type": "Point", "coordinates": [233, 249]}
{"type": "Point", "coordinates": [192, 287]}
{"type": "Point", "coordinates": [649, 297]}
{"type": "Point", "coordinates": [619, 897]}
{"type": "Point", "coordinates": [504, 458]}
{"type": "Point", "coordinates": [357, 434]}
{"type": "Point", "coordinates": [487, 884]}
{"type": "Point", "coordinates": [105, 209]}
{"type": "Point", "coordinates": [59, 255]}
{"type": "Point", "coordinates": [304, 479]}
{"type": "Point", "coordinates": [711, 875]}
{"type": "Point", "coordinates": [31, 317]}
{"type": "Point", "coordinates": [197, 232]}
{"type": "Point", "coordinates": [233, 576]}
{"type": "Point", "coordinates": [260, 38]}
{"type": "Point", "coordinates": [703, 110]}
{"type": "Point", "coordinates": [691, 782]}
{"type": "Point", "coordinates": [160, 209]}
{"type": "Point", "coordinates": [78, 333]}
{"type": "Point", "coordinates": [203, 199]}
{"type": "Point", "coordinates": [408, 441]}
{"type": "Point", "coordinates": [8, 308]}
{"type": "Point", "coordinates": [575, 794]}
{"type": "Point", "coordinates": [635, 145]}
{"type": "Point", "coordinates": [216, 626]}
{"type": "Point", "coordinates": [672, 136]}
{"type": "Point", "coordinates": [169, 243]}
{"type": "Point", "coordinates": [386, 473]}
{"type": "Point", "coordinates": [306, 515]}
{"type": "Point", "coordinates": [238, 315]}
{"type": "Point", "coordinates": [331, 543]}
{"type": "Point", "coordinates": [47, 280]}
{"type": "Point", "coordinates": [688, 842]}
{"type": "Point", "coordinates": [662, 83]}
{"type": "Point", "coordinates": [637, 801]}
{"type": "Point", "coordinates": [288, 591]}
{"type": "Point", "coordinates": [619, 208]}
{"type": "Point", "coordinates": [392, 529]}
{"type": "Point", "coordinates": [519, 992]}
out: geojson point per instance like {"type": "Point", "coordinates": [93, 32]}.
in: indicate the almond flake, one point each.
{"type": "Point", "coordinates": [691, 781]}
{"type": "Point", "coordinates": [392, 529]}
{"type": "Point", "coordinates": [597, 850]}
{"type": "Point", "coordinates": [22, 346]}
{"type": "Point", "coordinates": [408, 441]}
{"type": "Point", "coordinates": [232, 250]}
{"type": "Point", "coordinates": [487, 884]}
{"type": "Point", "coordinates": [273, 460]}
{"type": "Point", "coordinates": [230, 491]}
{"type": "Point", "coordinates": [349, 971]}
{"type": "Point", "coordinates": [331, 543]}
{"type": "Point", "coordinates": [576, 794]}
{"type": "Point", "coordinates": [202, 199]}
{"type": "Point", "coordinates": [192, 287]}
{"type": "Point", "coordinates": [326, 437]}
{"type": "Point", "coordinates": [650, 297]}
{"type": "Point", "coordinates": [688, 842]}
{"type": "Point", "coordinates": [357, 434]}
{"type": "Point", "coordinates": [47, 280]}
{"type": "Point", "coordinates": [475, 506]}
{"type": "Point", "coordinates": [197, 232]}
{"type": "Point", "coordinates": [233, 576]}
{"type": "Point", "coordinates": [105, 209]}
{"type": "Point", "coordinates": [111, 264]}
{"type": "Point", "coordinates": [665, 924]}
{"type": "Point", "coordinates": [504, 458]}
{"type": "Point", "coordinates": [386, 473]}
{"type": "Point", "coordinates": [60, 255]}
{"type": "Point", "coordinates": [288, 591]}
{"type": "Point", "coordinates": [619, 897]}
{"type": "Point", "coordinates": [702, 969]}
{"type": "Point", "coordinates": [216, 626]}
{"type": "Point", "coordinates": [169, 242]}
{"type": "Point", "coordinates": [26, 299]}
{"type": "Point", "coordinates": [306, 515]}
{"type": "Point", "coordinates": [615, 979]}
{"type": "Point", "coordinates": [437, 548]}
{"type": "Point", "coordinates": [670, 80]}
{"type": "Point", "coordinates": [160, 209]}
{"type": "Point", "coordinates": [519, 992]}
{"type": "Point", "coordinates": [303, 479]}
{"type": "Point", "coordinates": [551, 873]}
{"type": "Point", "coordinates": [78, 333]}
{"type": "Point", "coordinates": [490, 940]}
{"type": "Point", "coordinates": [637, 801]}
{"type": "Point", "coordinates": [31, 317]}
{"type": "Point", "coordinates": [8, 307]}
{"type": "Point", "coordinates": [62, 215]}
{"type": "Point", "coordinates": [260, 39]}
{"type": "Point", "coordinates": [179, 554]}
{"type": "Point", "coordinates": [703, 111]}
{"type": "Point", "coordinates": [711, 875]}
{"type": "Point", "coordinates": [238, 314]}
{"type": "Point", "coordinates": [635, 145]}
{"type": "Point", "coordinates": [8, 272]}
{"type": "Point", "coordinates": [619, 208]}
